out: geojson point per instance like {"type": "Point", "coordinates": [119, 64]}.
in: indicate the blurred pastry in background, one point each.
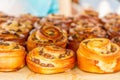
{"type": "Point", "coordinates": [112, 26]}
{"type": "Point", "coordinates": [14, 30]}
{"type": "Point", "coordinates": [85, 27]}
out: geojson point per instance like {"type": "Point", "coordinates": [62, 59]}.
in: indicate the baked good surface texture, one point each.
{"type": "Point", "coordinates": [98, 55]}
{"type": "Point", "coordinates": [12, 56]}
{"type": "Point", "coordinates": [50, 59]}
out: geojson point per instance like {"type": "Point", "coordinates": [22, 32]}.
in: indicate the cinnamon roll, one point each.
{"type": "Point", "coordinates": [50, 59]}
{"type": "Point", "coordinates": [98, 55]}
{"type": "Point", "coordinates": [12, 56]}
{"type": "Point", "coordinates": [112, 26]}
{"type": "Point", "coordinates": [47, 34]}
{"type": "Point", "coordinates": [86, 27]}
{"type": "Point", "coordinates": [13, 30]}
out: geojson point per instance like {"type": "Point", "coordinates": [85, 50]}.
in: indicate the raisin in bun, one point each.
{"type": "Point", "coordinates": [12, 56]}
{"type": "Point", "coordinates": [98, 55]}
{"type": "Point", "coordinates": [50, 59]}
{"type": "Point", "coordinates": [47, 34]}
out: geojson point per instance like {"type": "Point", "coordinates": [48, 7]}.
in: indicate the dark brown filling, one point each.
{"type": "Point", "coordinates": [46, 55]}
{"type": "Point", "coordinates": [113, 48]}
{"type": "Point", "coordinates": [34, 38]}
{"type": "Point", "coordinates": [86, 42]}
{"type": "Point", "coordinates": [37, 61]}
{"type": "Point", "coordinates": [5, 44]}
{"type": "Point", "coordinates": [5, 32]}
{"type": "Point", "coordinates": [67, 53]}
{"type": "Point", "coordinates": [19, 30]}
{"type": "Point", "coordinates": [16, 47]}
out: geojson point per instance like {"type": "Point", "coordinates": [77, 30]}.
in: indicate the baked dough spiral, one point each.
{"type": "Point", "coordinates": [12, 56]}
{"type": "Point", "coordinates": [112, 26]}
{"type": "Point", "coordinates": [86, 27]}
{"type": "Point", "coordinates": [13, 30]}
{"type": "Point", "coordinates": [47, 34]}
{"type": "Point", "coordinates": [98, 55]}
{"type": "Point", "coordinates": [50, 59]}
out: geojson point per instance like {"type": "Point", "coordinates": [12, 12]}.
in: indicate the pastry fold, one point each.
{"type": "Point", "coordinates": [98, 55]}
{"type": "Point", "coordinates": [12, 56]}
{"type": "Point", "coordinates": [47, 34]}
{"type": "Point", "coordinates": [50, 59]}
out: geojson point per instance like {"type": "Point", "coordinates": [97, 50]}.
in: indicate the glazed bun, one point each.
{"type": "Point", "coordinates": [50, 59]}
{"type": "Point", "coordinates": [86, 27]}
{"type": "Point", "coordinates": [98, 55]}
{"type": "Point", "coordinates": [47, 34]}
{"type": "Point", "coordinates": [12, 56]}
{"type": "Point", "coordinates": [112, 26]}
{"type": "Point", "coordinates": [14, 30]}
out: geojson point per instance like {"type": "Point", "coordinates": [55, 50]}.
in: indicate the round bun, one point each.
{"type": "Point", "coordinates": [98, 55]}
{"type": "Point", "coordinates": [15, 30]}
{"type": "Point", "coordinates": [86, 27]}
{"type": "Point", "coordinates": [12, 56]}
{"type": "Point", "coordinates": [112, 22]}
{"type": "Point", "coordinates": [50, 59]}
{"type": "Point", "coordinates": [47, 34]}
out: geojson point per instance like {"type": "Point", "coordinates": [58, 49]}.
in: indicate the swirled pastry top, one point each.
{"type": "Point", "coordinates": [15, 27]}
{"type": "Point", "coordinates": [51, 52]}
{"type": "Point", "coordinates": [101, 47]}
{"type": "Point", "coordinates": [87, 27]}
{"type": "Point", "coordinates": [49, 34]}
{"type": "Point", "coordinates": [102, 50]}
{"type": "Point", "coordinates": [9, 48]}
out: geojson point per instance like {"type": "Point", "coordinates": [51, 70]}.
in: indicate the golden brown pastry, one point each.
{"type": "Point", "coordinates": [47, 34]}
{"type": "Point", "coordinates": [12, 56]}
{"type": "Point", "coordinates": [13, 30]}
{"type": "Point", "coordinates": [86, 27]}
{"type": "Point", "coordinates": [112, 26]}
{"type": "Point", "coordinates": [98, 55]}
{"type": "Point", "coordinates": [50, 59]}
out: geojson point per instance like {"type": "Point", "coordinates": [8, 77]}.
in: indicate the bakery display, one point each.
{"type": "Point", "coordinates": [98, 55]}
{"type": "Point", "coordinates": [47, 34]}
{"type": "Point", "coordinates": [12, 56]}
{"type": "Point", "coordinates": [50, 40]}
{"type": "Point", "coordinates": [50, 59]}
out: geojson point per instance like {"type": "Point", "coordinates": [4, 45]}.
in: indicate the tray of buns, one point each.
{"type": "Point", "coordinates": [82, 47]}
